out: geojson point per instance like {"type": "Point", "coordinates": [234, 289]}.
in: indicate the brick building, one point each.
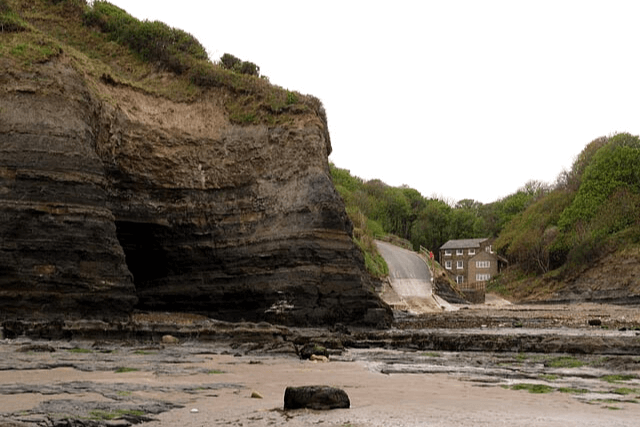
{"type": "Point", "coordinates": [470, 261]}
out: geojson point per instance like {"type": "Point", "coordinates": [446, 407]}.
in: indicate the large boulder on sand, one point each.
{"type": "Point", "coordinates": [315, 397]}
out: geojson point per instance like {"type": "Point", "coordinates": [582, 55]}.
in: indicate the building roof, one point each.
{"type": "Point", "coordinates": [463, 243]}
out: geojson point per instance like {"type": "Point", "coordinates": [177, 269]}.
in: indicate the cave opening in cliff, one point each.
{"type": "Point", "coordinates": [144, 251]}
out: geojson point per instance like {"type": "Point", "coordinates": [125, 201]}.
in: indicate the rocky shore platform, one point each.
{"type": "Point", "coordinates": [480, 365]}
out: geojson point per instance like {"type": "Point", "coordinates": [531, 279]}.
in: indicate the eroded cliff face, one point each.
{"type": "Point", "coordinates": [112, 199]}
{"type": "Point", "coordinates": [59, 253]}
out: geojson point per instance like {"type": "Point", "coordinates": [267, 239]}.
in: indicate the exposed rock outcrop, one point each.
{"type": "Point", "coordinates": [59, 252]}
{"type": "Point", "coordinates": [612, 279]}
{"type": "Point", "coordinates": [319, 397]}
{"type": "Point", "coordinates": [112, 199]}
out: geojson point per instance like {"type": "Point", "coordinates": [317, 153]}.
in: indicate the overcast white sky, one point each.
{"type": "Point", "coordinates": [459, 99]}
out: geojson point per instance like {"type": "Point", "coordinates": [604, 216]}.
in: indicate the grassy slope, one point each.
{"type": "Point", "coordinates": [583, 237]}
{"type": "Point", "coordinates": [35, 31]}
{"type": "Point", "coordinates": [364, 229]}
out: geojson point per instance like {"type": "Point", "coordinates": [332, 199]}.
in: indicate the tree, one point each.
{"type": "Point", "coordinates": [613, 166]}
{"type": "Point", "coordinates": [431, 228]}
{"type": "Point", "coordinates": [528, 239]}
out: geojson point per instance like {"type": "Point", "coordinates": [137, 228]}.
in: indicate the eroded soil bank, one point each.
{"type": "Point", "coordinates": [397, 377]}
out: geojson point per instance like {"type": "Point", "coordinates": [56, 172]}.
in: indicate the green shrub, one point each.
{"type": "Point", "coordinates": [237, 65]}
{"type": "Point", "coordinates": [153, 41]}
{"type": "Point", "coordinates": [344, 178]}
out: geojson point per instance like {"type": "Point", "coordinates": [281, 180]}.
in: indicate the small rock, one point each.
{"type": "Point", "coordinates": [320, 397]}
{"type": "Point", "coordinates": [256, 395]}
{"type": "Point", "coordinates": [194, 411]}
{"type": "Point", "coordinates": [377, 317]}
{"type": "Point", "coordinates": [310, 349]}
{"type": "Point", "coordinates": [170, 339]}
{"type": "Point", "coordinates": [318, 358]}
{"type": "Point", "coordinates": [36, 348]}
{"type": "Point", "coordinates": [339, 327]}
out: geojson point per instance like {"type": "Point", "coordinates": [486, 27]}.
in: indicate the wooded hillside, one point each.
{"type": "Point", "coordinates": [545, 231]}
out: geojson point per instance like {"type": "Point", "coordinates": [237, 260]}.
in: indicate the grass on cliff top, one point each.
{"type": "Point", "coordinates": [107, 43]}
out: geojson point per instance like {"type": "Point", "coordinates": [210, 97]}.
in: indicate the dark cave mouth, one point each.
{"type": "Point", "coordinates": [145, 255]}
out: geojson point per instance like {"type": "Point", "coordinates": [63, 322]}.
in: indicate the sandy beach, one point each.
{"type": "Point", "coordinates": [386, 400]}
{"type": "Point", "coordinates": [199, 384]}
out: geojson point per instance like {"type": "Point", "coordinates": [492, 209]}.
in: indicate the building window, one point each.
{"type": "Point", "coordinates": [472, 251]}
{"type": "Point", "coordinates": [483, 264]}
{"type": "Point", "coordinates": [459, 280]}
{"type": "Point", "coordinates": [447, 265]}
{"type": "Point", "coordinates": [459, 265]}
{"type": "Point", "coordinates": [489, 249]}
{"type": "Point", "coordinates": [482, 277]}
{"type": "Point", "coordinates": [459, 252]}
{"type": "Point", "coordinates": [447, 252]}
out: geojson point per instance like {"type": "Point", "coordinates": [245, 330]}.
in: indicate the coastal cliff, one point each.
{"type": "Point", "coordinates": [115, 198]}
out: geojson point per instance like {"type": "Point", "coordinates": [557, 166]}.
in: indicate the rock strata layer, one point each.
{"type": "Point", "coordinates": [112, 199]}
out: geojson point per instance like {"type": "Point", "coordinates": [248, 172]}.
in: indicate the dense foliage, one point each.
{"type": "Point", "coordinates": [593, 210]}
{"type": "Point", "coordinates": [543, 230]}
{"type": "Point", "coordinates": [365, 230]}
{"type": "Point", "coordinates": [428, 222]}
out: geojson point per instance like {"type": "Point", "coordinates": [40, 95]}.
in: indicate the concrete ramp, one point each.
{"type": "Point", "coordinates": [409, 287]}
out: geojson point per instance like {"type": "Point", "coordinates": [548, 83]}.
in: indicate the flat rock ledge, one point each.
{"type": "Point", "coordinates": [249, 337]}
{"type": "Point", "coordinates": [319, 397]}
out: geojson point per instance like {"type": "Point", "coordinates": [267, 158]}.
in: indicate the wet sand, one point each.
{"type": "Point", "coordinates": [168, 383]}
{"type": "Point", "coordinates": [387, 400]}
